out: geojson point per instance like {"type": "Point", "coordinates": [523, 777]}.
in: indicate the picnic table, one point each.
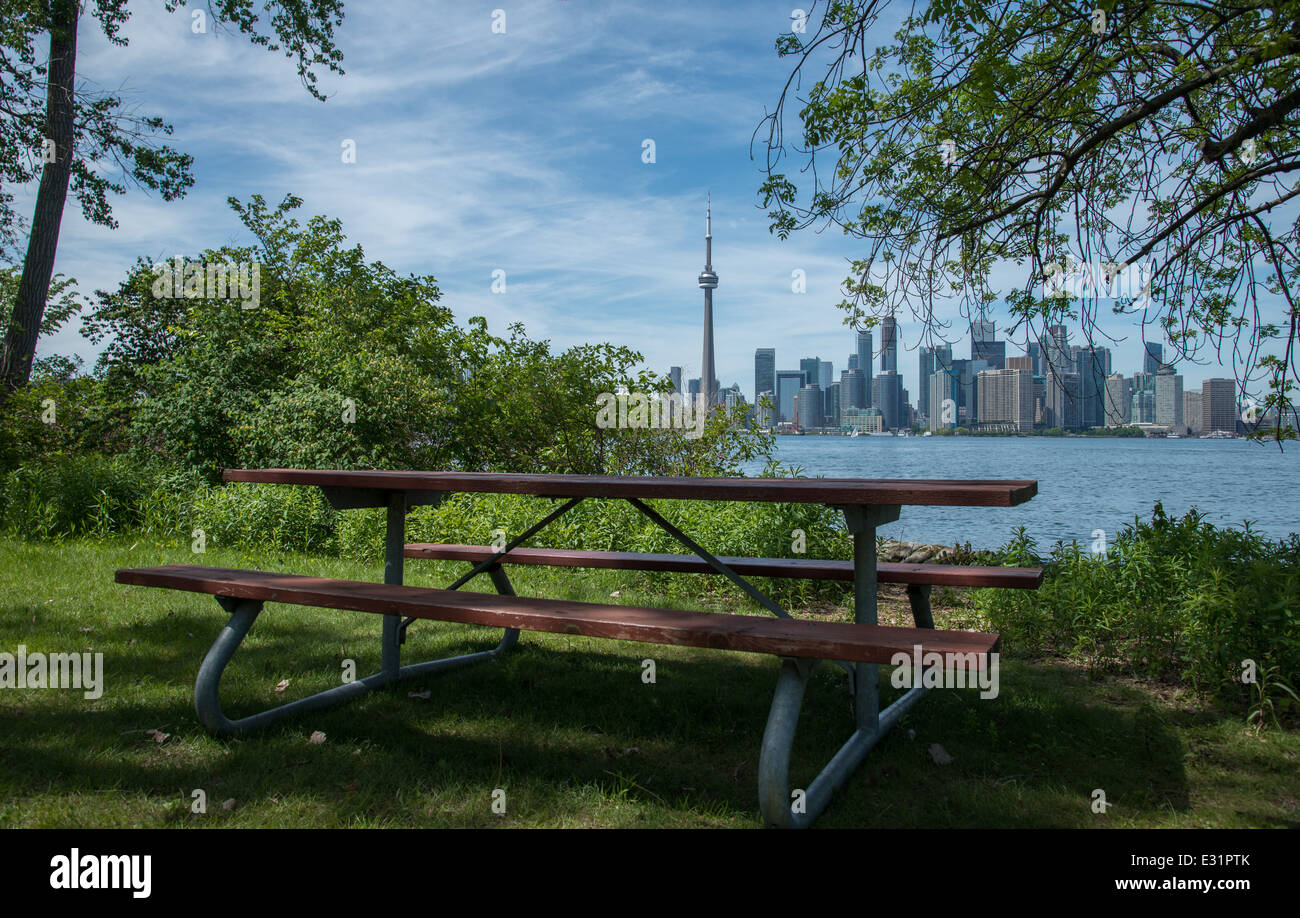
{"type": "Point", "coordinates": [799, 644]}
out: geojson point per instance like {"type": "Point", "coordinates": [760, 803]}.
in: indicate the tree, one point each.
{"type": "Point", "coordinates": [76, 139]}
{"type": "Point", "coordinates": [1155, 141]}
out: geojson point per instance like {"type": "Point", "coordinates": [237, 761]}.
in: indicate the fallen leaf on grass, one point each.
{"type": "Point", "coordinates": [228, 805]}
{"type": "Point", "coordinates": [316, 738]}
{"type": "Point", "coordinates": [282, 685]}
{"type": "Point", "coordinates": [940, 755]}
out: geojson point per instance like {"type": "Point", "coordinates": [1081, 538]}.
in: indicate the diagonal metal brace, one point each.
{"type": "Point", "coordinates": [487, 563]}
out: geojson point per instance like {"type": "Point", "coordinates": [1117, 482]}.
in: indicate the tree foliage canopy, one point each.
{"type": "Point", "coordinates": [982, 139]}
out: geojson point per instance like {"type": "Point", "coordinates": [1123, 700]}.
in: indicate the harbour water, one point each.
{"type": "Point", "coordinates": [1084, 483]}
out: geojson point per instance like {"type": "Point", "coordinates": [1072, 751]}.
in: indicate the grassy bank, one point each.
{"type": "Point", "coordinates": [563, 724]}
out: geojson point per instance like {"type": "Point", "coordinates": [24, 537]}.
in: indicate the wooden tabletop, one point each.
{"type": "Point", "coordinates": [860, 491]}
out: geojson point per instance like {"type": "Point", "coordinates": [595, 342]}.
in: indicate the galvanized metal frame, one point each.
{"type": "Point", "coordinates": [243, 612]}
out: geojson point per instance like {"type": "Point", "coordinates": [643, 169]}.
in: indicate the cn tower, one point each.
{"type": "Point", "coordinates": [708, 280]}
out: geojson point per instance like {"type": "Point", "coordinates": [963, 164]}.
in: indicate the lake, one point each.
{"type": "Point", "coordinates": [1084, 483]}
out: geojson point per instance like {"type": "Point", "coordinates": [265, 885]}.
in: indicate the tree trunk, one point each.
{"type": "Point", "coordinates": [38, 267]}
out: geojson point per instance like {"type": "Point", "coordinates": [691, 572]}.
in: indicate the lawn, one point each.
{"type": "Point", "coordinates": [565, 726]}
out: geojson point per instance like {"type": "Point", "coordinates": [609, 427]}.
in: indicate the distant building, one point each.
{"type": "Point", "coordinates": [833, 405]}
{"type": "Point", "coordinates": [1062, 400]}
{"type": "Point", "coordinates": [1192, 412]}
{"type": "Point", "coordinates": [931, 361]}
{"type": "Point", "coordinates": [888, 347]}
{"type": "Point", "coordinates": [863, 420]}
{"type": "Point", "coordinates": [766, 415]}
{"type": "Point", "coordinates": [764, 370]}
{"type": "Point", "coordinates": [826, 375]}
{"type": "Point", "coordinates": [942, 408]}
{"type": "Point", "coordinates": [1006, 399]}
{"type": "Point", "coordinates": [1021, 363]}
{"type": "Point", "coordinates": [788, 384]}
{"type": "Point", "coordinates": [675, 374]}
{"type": "Point", "coordinates": [1153, 357]}
{"type": "Point", "coordinates": [812, 407]}
{"type": "Point", "coordinates": [864, 354]}
{"type": "Point", "coordinates": [985, 346]}
{"type": "Point", "coordinates": [1219, 405]}
{"type": "Point", "coordinates": [811, 367]}
{"type": "Point", "coordinates": [1169, 401]}
{"type": "Point", "coordinates": [853, 389]}
{"type": "Point", "coordinates": [1093, 366]}
{"type": "Point", "coordinates": [1118, 403]}
{"type": "Point", "coordinates": [887, 395]}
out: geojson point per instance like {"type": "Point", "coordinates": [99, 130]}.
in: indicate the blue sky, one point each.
{"type": "Point", "coordinates": [519, 151]}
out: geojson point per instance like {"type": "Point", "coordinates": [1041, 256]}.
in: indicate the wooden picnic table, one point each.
{"type": "Point", "coordinates": [859, 648]}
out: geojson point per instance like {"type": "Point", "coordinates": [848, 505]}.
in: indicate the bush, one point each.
{"type": "Point", "coordinates": [1174, 598]}
{"type": "Point", "coordinates": [268, 517]}
{"type": "Point", "coordinates": [67, 496]}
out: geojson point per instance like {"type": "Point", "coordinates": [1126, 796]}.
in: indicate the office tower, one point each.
{"type": "Point", "coordinates": [1063, 400]}
{"type": "Point", "coordinates": [1143, 402]}
{"type": "Point", "coordinates": [1093, 366]}
{"type": "Point", "coordinates": [1021, 363]}
{"type": "Point", "coordinates": [968, 371]}
{"type": "Point", "coordinates": [853, 389]}
{"type": "Point", "coordinates": [1152, 358]}
{"type": "Point", "coordinates": [1056, 351]}
{"type": "Point", "coordinates": [1118, 405]}
{"type": "Point", "coordinates": [693, 387]}
{"type": "Point", "coordinates": [1006, 397]}
{"type": "Point", "coordinates": [865, 354]}
{"type": "Point", "coordinates": [1169, 401]}
{"type": "Point", "coordinates": [764, 371]}
{"type": "Point", "coordinates": [675, 374]}
{"type": "Point", "coordinates": [1035, 353]}
{"type": "Point", "coordinates": [931, 361]}
{"type": "Point", "coordinates": [942, 407]}
{"type": "Point", "coordinates": [1192, 412]}
{"type": "Point", "coordinates": [887, 395]}
{"type": "Point", "coordinates": [827, 375]}
{"type": "Point", "coordinates": [984, 344]}
{"type": "Point", "coordinates": [1219, 405]}
{"type": "Point", "coordinates": [731, 396]}
{"type": "Point", "coordinates": [812, 407]}
{"type": "Point", "coordinates": [853, 361]}
{"type": "Point", "coordinates": [888, 346]}
{"type": "Point", "coordinates": [708, 283]}
{"type": "Point", "coordinates": [833, 405]}
{"type": "Point", "coordinates": [788, 383]}
{"type": "Point", "coordinates": [811, 369]}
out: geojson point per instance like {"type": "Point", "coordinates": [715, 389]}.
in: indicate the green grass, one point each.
{"type": "Point", "coordinates": [563, 724]}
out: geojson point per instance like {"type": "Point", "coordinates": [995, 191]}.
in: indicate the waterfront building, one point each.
{"type": "Point", "coordinates": [812, 372]}
{"type": "Point", "coordinates": [1006, 399]}
{"type": "Point", "coordinates": [1153, 358]}
{"type": "Point", "coordinates": [764, 370]}
{"type": "Point", "coordinates": [887, 395]}
{"type": "Point", "coordinates": [833, 405]}
{"type": "Point", "coordinates": [812, 407]}
{"type": "Point", "coordinates": [826, 374]}
{"type": "Point", "coordinates": [853, 389]}
{"type": "Point", "coordinates": [864, 354]}
{"type": "Point", "coordinates": [931, 361]}
{"type": "Point", "coordinates": [1169, 401]}
{"type": "Point", "coordinates": [941, 411]}
{"type": "Point", "coordinates": [788, 384]}
{"type": "Point", "coordinates": [863, 420]}
{"type": "Point", "coordinates": [1117, 408]}
{"type": "Point", "coordinates": [1192, 412]}
{"type": "Point", "coordinates": [1219, 406]}
{"type": "Point", "coordinates": [1063, 400]}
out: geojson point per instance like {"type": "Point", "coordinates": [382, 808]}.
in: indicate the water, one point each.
{"type": "Point", "coordinates": [1084, 484]}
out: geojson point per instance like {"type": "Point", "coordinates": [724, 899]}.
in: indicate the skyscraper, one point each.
{"type": "Point", "coordinates": [984, 344]}
{"type": "Point", "coordinates": [1153, 358]}
{"type": "Point", "coordinates": [708, 282]}
{"type": "Point", "coordinates": [853, 389]}
{"type": "Point", "coordinates": [811, 367]}
{"type": "Point", "coordinates": [887, 393]}
{"type": "Point", "coordinates": [675, 374]}
{"type": "Point", "coordinates": [864, 353]}
{"type": "Point", "coordinates": [1118, 403]}
{"type": "Point", "coordinates": [1006, 398]}
{"type": "Point", "coordinates": [827, 370]}
{"type": "Point", "coordinates": [888, 346]}
{"type": "Point", "coordinates": [1169, 401]}
{"type": "Point", "coordinates": [764, 371]}
{"type": "Point", "coordinates": [931, 361]}
{"type": "Point", "coordinates": [1219, 405]}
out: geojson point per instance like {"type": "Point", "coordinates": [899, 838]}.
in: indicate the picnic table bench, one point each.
{"type": "Point", "coordinates": [799, 644]}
